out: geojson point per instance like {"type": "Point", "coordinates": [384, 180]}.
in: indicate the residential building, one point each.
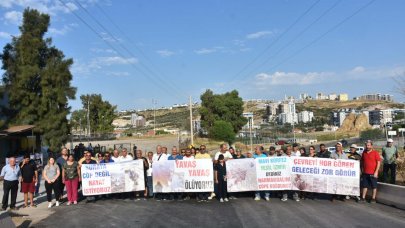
{"type": "Point", "coordinates": [337, 118]}
{"type": "Point", "coordinates": [332, 97]}
{"type": "Point", "coordinates": [305, 116]}
{"type": "Point", "coordinates": [376, 97]}
{"type": "Point", "coordinates": [380, 117]}
{"type": "Point", "coordinates": [343, 97]}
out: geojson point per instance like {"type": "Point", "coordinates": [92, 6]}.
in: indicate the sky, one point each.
{"type": "Point", "coordinates": [134, 52]}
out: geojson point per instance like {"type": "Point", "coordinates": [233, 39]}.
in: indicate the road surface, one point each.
{"type": "Point", "coordinates": [242, 212]}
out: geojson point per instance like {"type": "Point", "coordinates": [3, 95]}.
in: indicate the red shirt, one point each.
{"type": "Point", "coordinates": [369, 160]}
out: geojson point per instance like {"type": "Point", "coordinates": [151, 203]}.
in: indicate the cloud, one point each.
{"type": "Point", "coordinates": [165, 53]}
{"type": "Point", "coordinates": [5, 35]}
{"type": "Point", "coordinates": [98, 63]}
{"type": "Point", "coordinates": [6, 3]}
{"type": "Point", "coordinates": [109, 38]}
{"type": "Point", "coordinates": [62, 31]}
{"type": "Point", "coordinates": [100, 50]}
{"type": "Point", "coordinates": [260, 34]}
{"type": "Point", "coordinates": [13, 17]}
{"type": "Point", "coordinates": [204, 51]}
{"type": "Point", "coordinates": [292, 78]}
{"type": "Point", "coordinates": [52, 7]}
{"type": "Point", "coordinates": [118, 74]}
{"type": "Point", "coordinates": [114, 60]}
{"type": "Point", "coordinates": [358, 69]}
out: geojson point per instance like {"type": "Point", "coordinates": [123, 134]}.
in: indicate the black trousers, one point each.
{"type": "Point", "coordinates": [56, 189]}
{"type": "Point", "coordinates": [9, 186]}
{"type": "Point", "coordinates": [386, 169]}
{"type": "Point", "coordinates": [61, 185]}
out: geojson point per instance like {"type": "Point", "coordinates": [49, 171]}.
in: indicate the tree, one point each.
{"type": "Point", "coordinates": [78, 120]}
{"type": "Point", "coordinates": [371, 134]}
{"type": "Point", "coordinates": [222, 130]}
{"type": "Point", "coordinates": [101, 115]}
{"type": "Point", "coordinates": [227, 107]}
{"type": "Point", "coordinates": [37, 80]}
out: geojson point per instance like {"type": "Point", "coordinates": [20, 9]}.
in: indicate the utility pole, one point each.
{"type": "Point", "coordinates": [88, 118]}
{"type": "Point", "coordinates": [154, 116]}
{"type": "Point", "coordinates": [191, 123]}
{"type": "Point", "coordinates": [250, 133]}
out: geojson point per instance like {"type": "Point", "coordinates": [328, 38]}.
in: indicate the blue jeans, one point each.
{"type": "Point", "coordinates": [266, 194]}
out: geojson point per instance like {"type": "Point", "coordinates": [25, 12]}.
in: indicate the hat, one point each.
{"type": "Point", "coordinates": [353, 146]}
{"type": "Point", "coordinates": [339, 143]}
{"type": "Point", "coordinates": [390, 140]}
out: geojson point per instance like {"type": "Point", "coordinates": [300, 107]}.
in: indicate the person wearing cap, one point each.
{"type": "Point", "coordinates": [353, 153]}
{"type": "Point", "coordinates": [390, 155]}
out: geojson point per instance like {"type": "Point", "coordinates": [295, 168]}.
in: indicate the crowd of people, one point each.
{"type": "Point", "coordinates": [64, 172]}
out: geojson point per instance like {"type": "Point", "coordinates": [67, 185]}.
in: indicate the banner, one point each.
{"type": "Point", "coordinates": [112, 177]}
{"type": "Point", "coordinates": [183, 176]}
{"type": "Point", "coordinates": [325, 175]}
{"type": "Point", "coordinates": [294, 173]}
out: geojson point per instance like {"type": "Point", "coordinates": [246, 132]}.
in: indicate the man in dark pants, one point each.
{"type": "Point", "coordinates": [10, 174]}
{"type": "Point", "coordinates": [89, 161]}
{"type": "Point", "coordinates": [61, 161]}
{"type": "Point", "coordinates": [390, 155]}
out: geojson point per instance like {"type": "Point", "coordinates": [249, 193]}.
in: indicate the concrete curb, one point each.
{"type": "Point", "coordinates": [392, 195]}
{"type": "Point", "coordinates": [5, 220]}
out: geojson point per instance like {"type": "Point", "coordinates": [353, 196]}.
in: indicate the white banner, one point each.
{"type": "Point", "coordinates": [183, 176]}
{"type": "Point", "coordinates": [112, 177]}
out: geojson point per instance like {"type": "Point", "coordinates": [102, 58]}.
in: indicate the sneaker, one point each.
{"type": "Point", "coordinates": [267, 198]}
{"type": "Point", "coordinates": [49, 205]}
{"type": "Point", "coordinates": [221, 200]}
{"type": "Point", "coordinates": [226, 199]}
{"type": "Point", "coordinates": [57, 203]}
{"type": "Point", "coordinates": [210, 198]}
{"type": "Point", "coordinates": [257, 198]}
{"type": "Point", "coordinates": [362, 200]}
{"type": "Point", "coordinates": [347, 197]}
{"type": "Point", "coordinates": [233, 198]}
{"type": "Point", "coordinates": [284, 199]}
{"type": "Point", "coordinates": [373, 201]}
{"type": "Point", "coordinates": [68, 203]}
{"type": "Point", "coordinates": [75, 202]}
{"type": "Point", "coordinates": [297, 200]}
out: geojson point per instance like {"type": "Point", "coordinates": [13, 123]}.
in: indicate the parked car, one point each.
{"type": "Point", "coordinates": [359, 150]}
{"type": "Point", "coordinates": [331, 149]}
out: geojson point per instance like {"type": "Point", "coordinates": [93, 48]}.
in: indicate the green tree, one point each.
{"type": "Point", "coordinates": [222, 130]}
{"type": "Point", "coordinates": [371, 134]}
{"type": "Point", "coordinates": [101, 114]}
{"type": "Point", "coordinates": [78, 120]}
{"type": "Point", "coordinates": [37, 80]}
{"type": "Point", "coordinates": [227, 107]}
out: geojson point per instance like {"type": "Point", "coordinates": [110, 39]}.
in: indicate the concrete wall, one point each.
{"type": "Point", "coordinates": [392, 195]}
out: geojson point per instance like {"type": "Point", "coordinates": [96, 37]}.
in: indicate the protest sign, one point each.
{"type": "Point", "coordinates": [273, 173]}
{"type": "Point", "coordinates": [112, 177]}
{"type": "Point", "coordinates": [334, 176]}
{"type": "Point", "coordinates": [183, 176]}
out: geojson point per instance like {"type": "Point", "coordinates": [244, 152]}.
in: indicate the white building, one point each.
{"type": "Point", "coordinates": [305, 117]}
{"type": "Point", "coordinates": [333, 96]}
{"type": "Point", "coordinates": [288, 118]}
{"type": "Point", "coordinates": [137, 121]}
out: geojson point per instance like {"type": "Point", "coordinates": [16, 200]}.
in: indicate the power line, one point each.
{"type": "Point", "coordinates": [324, 34]}
{"type": "Point", "coordinates": [112, 47]}
{"type": "Point", "coordinates": [126, 49]}
{"type": "Point", "coordinates": [297, 36]}
{"type": "Point", "coordinates": [276, 40]}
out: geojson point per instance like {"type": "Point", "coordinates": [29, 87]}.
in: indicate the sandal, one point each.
{"type": "Point", "coordinates": [33, 205]}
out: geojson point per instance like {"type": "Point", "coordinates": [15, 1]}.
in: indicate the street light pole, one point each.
{"type": "Point", "coordinates": [191, 123]}
{"type": "Point", "coordinates": [154, 116]}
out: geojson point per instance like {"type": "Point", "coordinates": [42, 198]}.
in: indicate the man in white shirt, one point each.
{"type": "Point", "coordinates": [159, 156]}
{"type": "Point", "coordinates": [224, 151]}
{"type": "Point", "coordinates": [116, 156]}
{"type": "Point", "coordinates": [296, 150]}
{"type": "Point", "coordinates": [125, 156]}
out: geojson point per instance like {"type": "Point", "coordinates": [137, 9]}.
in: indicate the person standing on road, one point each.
{"type": "Point", "coordinates": [71, 177]}
{"type": "Point", "coordinates": [174, 157]}
{"type": "Point", "coordinates": [390, 155]}
{"type": "Point", "coordinates": [220, 179]}
{"type": "Point", "coordinates": [138, 156]}
{"type": "Point", "coordinates": [51, 175]}
{"type": "Point", "coordinates": [370, 164]}
{"type": "Point", "coordinates": [289, 153]}
{"type": "Point", "coordinates": [159, 156]}
{"type": "Point", "coordinates": [149, 174]}
{"type": "Point", "coordinates": [312, 152]}
{"type": "Point", "coordinates": [203, 196]}
{"type": "Point", "coordinates": [296, 151]}
{"type": "Point", "coordinates": [259, 154]}
{"type": "Point", "coordinates": [116, 156]}
{"type": "Point", "coordinates": [125, 156]}
{"type": "Point", "coordinates": [224, 151]}
{"type": "Point", "coordinates": [61, 162]}
{"type": "Point", "coordinates": [238, 154]}
{"type": "Point", "coordinates": [353, 155]}
{"type": "Point", "coordinates": [29, 180]}
{"type": "Point", "coordinates": [10, 175]}
{"type": "Point", "coordinates": [272, 152]}
{"type": "Point", "coordinates": [338, 154]}
{"type": "Point", "coordinates": [323, 152]}
{"type": "Point", "coordinates": [88, 161]}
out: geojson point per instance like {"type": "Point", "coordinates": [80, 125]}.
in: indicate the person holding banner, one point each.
{"type": "Point", "coordinates": [338, 154]}
{"type": "Point", "coordinates": [220, 179]}
{"type": "Point", "coordinates": [71, 177]}
{"type": "Point", "coordinates": [116, 156]}
{"type": "Point", "coordinates": [149, 175]}
{"type": "Point", "coordinates": [88, 161]}
{"type": "Point", "coordinates": [289, 153]}
{"type": "Point", "coordinates": [323, 152]}
{"type": "Point", "coordinates": [159, 156]}
{"type": "Point", "coordinates": [370, 164]}
{"type": "Point", "coordinates": [125, 156]}
{"type": "Point", "coordinates": [143, 194]}
{"type": "Point", "coordinates": [51, 175]}
{"type": "Point", "coordinates": [107, 158]}
{"type": "Point", "coordinates": [174, 157]}
{"type": "Point", "coordinates": [203, 196]}
{"type": "Point", "coordinates": [259, 154]}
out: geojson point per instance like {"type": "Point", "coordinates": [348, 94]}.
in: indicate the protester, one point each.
{"type": "Point", "coordinates": [232, 151]}
{"type": "Point", "coordinates": [303, 152]}
{"type": "Point", "coordinates": [174, 157]}
{"type": "Point", "coordinates": [116, 156]}
{"type": "Point", "coordinates": [84, 157]}
{"type": "Point", "coordinates": [238, 154]}
{"type": "Point", "coordinates": [183, 152]}
{"type": "Point", "coordinates": [149, 175]}
{"type": "Point", "coordinates": [159, 156]}
{"type": "Point", "coordinates": [259, 154]}
{"type": "Point", "coordinates": [390, 155]}
{"type": "Point", "coordinates": [71, 178]}
{"type": "Point", "coordinates": [280, 152]}
{"type": "Point", "coordinates": [353, 153]}
{"type": "Point", "coordinates": [142, 194]}
{"type": "Point", "coordinates": [29, 180]}
{"type": "Point", "coordinates": [370, 164]}
{"type": "Point", "coordinates": [99, 157]}
{"type": "Point", "coordinates": [51, 176]}
{"type": "Point", "coordinates": [164, 150]}
{"type": "Point", "coordinates": [188, 155]}
{"type": "Point", "coordinates": [88, 161]}
{"type": "Point", "coordinates": [323, 152]}
{"type": "Point", "coordinates": [107, 158]}
{"type": "Point", "coordinates": [249, 154]}
{"type": "Point", "coordinates": [312, 153]}
{"type": "Point", "coordinates": [125, 156]}
{"type": "Point", "coordinates": [203, 196]}
{"type": "Point", "coordinates": [220, 179]}
{"type": "Point", "coordinates": [61, 162]}
{"type": "Point", "coordinates": [289, 153]}
{"type": "Point", "coordinates": [39, 170]}
{"type": "Point", "coordinates": [10, 175]}
{"type": "Point", "coordinates": [338, 154]}
{"type": "Point", "coordinates": [224, 151]}
{"type": "Point", "coordinates": [296, 151]}
{"type": "Point", "coordinates": [272, 152]}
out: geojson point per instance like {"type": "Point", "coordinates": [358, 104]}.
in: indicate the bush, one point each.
{"type": "Point", "coordinates": [222, 130]}
{"type": "Point", "coordinates": [371, 134]}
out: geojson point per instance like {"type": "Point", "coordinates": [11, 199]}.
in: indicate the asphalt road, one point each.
{"type": "Point", "coordinates": [242, 212]}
